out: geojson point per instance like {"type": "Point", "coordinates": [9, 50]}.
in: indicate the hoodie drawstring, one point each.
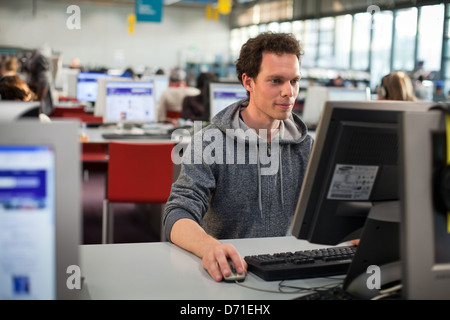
{"type": "Point", "coordinates": [259, 180]}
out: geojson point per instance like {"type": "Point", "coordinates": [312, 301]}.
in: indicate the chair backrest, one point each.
{"type": "Point", "coordinates": [173, 114]}
{"type": "Point", "coordinates": [59, 112]}
{"type": "Point", "coordinates": [139, 172]}
{"type": "Point", "coordinates": [83, 117]}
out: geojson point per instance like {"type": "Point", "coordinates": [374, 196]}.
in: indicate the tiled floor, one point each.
{"type": "Point", "coordinates": [130, 224]}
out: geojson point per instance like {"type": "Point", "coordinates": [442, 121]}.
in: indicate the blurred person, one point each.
{"type": "Point", "coordinates": [336, 82]}
{"type": "Point", "coordinates": [9, 67]}
{"type": "Point", "coordinates": [39, 80]}
{"type": "Point", "coordinates": [438, 94]}
{"type": "Point", "coordinates": [396, 86]}
{"type": "Point", "coordinates": [12, 87]}
{"type": "Point", "coordinates": [172, 98]}
{"type": "Point", "coordinates": [194, 106]}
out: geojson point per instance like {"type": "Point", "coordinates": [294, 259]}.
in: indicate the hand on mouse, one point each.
{"type": "Point", "coordinates": [215, 261]}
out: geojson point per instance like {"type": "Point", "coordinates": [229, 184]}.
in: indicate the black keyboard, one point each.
{"type": "Point", "coordinates": [335, 293]}
{"type": "Point", "coordinates": [302, 264]}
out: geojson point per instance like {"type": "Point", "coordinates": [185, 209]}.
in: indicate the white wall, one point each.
{"type": "Point", "coordinates": [103, 40]}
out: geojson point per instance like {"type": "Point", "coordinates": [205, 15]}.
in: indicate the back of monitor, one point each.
{"type": "Point", "coordinates": [425, 228]}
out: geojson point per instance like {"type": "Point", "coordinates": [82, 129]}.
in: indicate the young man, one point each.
{"type": "Point", "coordinates": [245, 178]}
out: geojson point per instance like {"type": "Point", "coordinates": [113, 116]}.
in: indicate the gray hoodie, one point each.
{"type": "Point", "coordinates": [237, 192]}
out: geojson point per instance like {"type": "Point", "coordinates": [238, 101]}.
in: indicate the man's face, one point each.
{"type": "Point", "coordinates": [274, 91]}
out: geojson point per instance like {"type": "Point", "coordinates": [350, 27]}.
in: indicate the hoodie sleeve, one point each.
{"type": "Point", "coordinates": [189, 197]}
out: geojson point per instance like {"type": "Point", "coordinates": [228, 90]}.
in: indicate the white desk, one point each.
{"type": "Point", "coordinates": [162, 271]}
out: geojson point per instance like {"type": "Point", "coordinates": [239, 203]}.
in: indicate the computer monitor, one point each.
{"type": "Point", "coordinates": [100, 103]}
{"type": "Point", "coordinates": [316, 96]}
{"type": "Point", "coordinates": [130, 102]}
{"type": "Point", "coordinates": [425, 228]}
{"type": "Point", "coordinates": [14, 110]}
{"type": "Point", "coordinates": [40, 210]}
{"type": "Point", "coordinates": [351, 187]}
{"type": "Point", "coordinates": [222, 94]}
{"type": "Point", "coordinates": [87, 86]}
{"type": "Point", "coordinates": [161, 83]}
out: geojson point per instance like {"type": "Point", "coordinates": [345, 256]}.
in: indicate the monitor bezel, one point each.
{"type": "Point", "coordinates": [63, 136]}
{"type": "Point", "coordinates": [425, 278]}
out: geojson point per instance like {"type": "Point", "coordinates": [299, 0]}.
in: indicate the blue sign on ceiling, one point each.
{"type": "Point", "coordinates": [149, 10]}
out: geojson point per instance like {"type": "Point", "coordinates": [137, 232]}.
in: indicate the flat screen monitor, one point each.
{"type": "Point", "coordinates": [425, 239]}
{"type": "Point", "coordinates": [100, 104]}
{"type": "Point", "coordinates": [87, 86]}
{"type": "Point", "coordinates": [316, 96]}
{"type": "Point", "coordinates": [130, 102]}
{"type": "Point", "coordinates": [222, 94]}
{"type": "Point", "coordinates": [14, 110]}
{"type": "Point", "coordinates": [161, 83]}
{"type": "Point", "coordinates": [40, 211]}
{"type": "Point", "coordinates": [351, 187]}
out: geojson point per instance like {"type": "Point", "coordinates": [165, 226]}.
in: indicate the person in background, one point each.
{"type": "Point", "coordinates": [129, 73]}
{"type": "Point", "coordinates": [172, 98]}
{"type": "Point", "coordinates": [336, 82]}
{"type": "Point", "coordinates": [12, 87]}
{"type": "Point", "coordinates": [438, 94]}
{"type": "Point", "coordinates": [39, 80]}
{"type": "Point", "coordinates": [396, 86]}
{"type": "Point", "coordinates": [194, 106]}
{"type": "Point", "coordinates": [211, 201]}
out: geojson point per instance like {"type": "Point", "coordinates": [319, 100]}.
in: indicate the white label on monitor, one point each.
{"type": "Point", "coordinates": [351, 182]}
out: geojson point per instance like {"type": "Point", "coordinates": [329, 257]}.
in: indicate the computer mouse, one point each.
{"type": "Point", "coordinates": [234, 276]}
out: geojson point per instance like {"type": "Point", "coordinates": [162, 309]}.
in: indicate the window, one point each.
{"type": "Point", "coordinates": [430, 36]}
{"type": "Point", "coordinates": [343, 38]}
{"type": "Point", "coordinates": [361, 41]}
{"type": "Point", "coordinates": [381, 46]}
{"type": "Point", "coordinates": [326, 43]}
{"type": "Point", "coordinates": [405, 39]}
{"type": "Point", "coordinates": [310, 43]}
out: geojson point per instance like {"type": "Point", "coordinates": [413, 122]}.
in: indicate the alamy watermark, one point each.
{"type": "Point", "coordinates": [74, 279]}
{"type": "Point", "coordinates": [374, 280]}
{"type": "Point", "coordinates": [73, 22]}
{"type": "Point", "coordinates": [211, 146]}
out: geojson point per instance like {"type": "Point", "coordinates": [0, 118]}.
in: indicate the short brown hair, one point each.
{"type": "Point", "coordinates": [250, 57]}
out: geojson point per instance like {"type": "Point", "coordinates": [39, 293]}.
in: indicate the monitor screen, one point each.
{"type": "Point", "coordinates": [87, 86]}
{"type": "Point", "coordinates": [351, 186]}
{"type": "Point", "coordinates": [316, 96]}
{"type": "Point", "coordinates": [223, 94]}
{"type": "Point", "coordinates": [40, 218]}
{"type": "Point", "coordinates": [130, 101]}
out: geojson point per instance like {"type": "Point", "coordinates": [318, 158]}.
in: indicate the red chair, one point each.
{"type": "Point", "coordinates": [59, 112]}
{"type": "Point", "coordinates": [83, 117]}
{"type": "Point", "coordinates": [173, 115]}
{"type": "Point", "coordinates": [137, 173]}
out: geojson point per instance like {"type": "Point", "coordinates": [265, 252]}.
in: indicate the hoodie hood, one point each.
{"type": "Point", "coordinates": [292, 130]}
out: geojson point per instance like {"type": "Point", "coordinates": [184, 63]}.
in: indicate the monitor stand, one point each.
{"type": "Point", "coordinates": [379, 246]}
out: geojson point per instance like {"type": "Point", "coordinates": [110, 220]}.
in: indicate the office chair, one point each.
{"type": "Point", "coordinates": [137, 173]}
{"type": "Point", "coordinates": [83, 117]}
{"type": "Point", "coordinates": [59, 112]}
{"type": "Point", "coordinates": [174, 115]}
